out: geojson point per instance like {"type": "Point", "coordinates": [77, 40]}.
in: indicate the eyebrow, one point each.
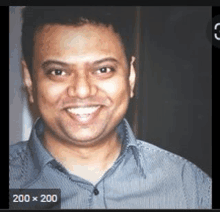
{"type": "Point", "coordinates": [57, 62]}
{"type": "Point", "coordinates": [51, 62]}
{"type": "Point", "coordinates": [110, 59]}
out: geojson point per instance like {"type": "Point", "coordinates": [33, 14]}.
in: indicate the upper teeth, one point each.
{"type": "Point", "coordinates": [83, 110]}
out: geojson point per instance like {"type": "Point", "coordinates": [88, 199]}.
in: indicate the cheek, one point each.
{"type": "Point", "coordinates": [117, 90]}
{"type": "Point", "coordinates": [49, 94]}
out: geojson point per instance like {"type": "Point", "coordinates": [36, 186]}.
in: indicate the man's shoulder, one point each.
{"type": "Point", "coordinates": [158, 154]}
{"type": "Point", "coordinates": [191, 177]}
{"type": "Point", "coordinates": [16, 150]}
{"type": "Point", "coordinates": [17, 163]}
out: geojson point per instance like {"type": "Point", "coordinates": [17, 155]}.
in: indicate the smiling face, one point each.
{"type": "Point", "coordinates": [81, 82]}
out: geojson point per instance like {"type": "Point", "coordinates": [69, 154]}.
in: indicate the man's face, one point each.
{"type": "Point", "coordinates": [81, 84]}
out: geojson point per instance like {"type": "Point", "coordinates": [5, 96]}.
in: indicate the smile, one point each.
{"type": "Point", "coordinates": [83, 114]}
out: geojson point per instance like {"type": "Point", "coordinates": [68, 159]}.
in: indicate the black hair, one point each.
{"type": "Point", "coordinates": [122, 19]}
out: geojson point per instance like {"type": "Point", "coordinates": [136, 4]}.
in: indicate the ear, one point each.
{"type": "Point", "coordinates": [132, 76]}
{"type": "Point", "coordinates": [27, 81]}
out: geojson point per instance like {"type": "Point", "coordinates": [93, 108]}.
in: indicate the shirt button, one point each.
{"type": "Point", "coordinates": [96, 191]}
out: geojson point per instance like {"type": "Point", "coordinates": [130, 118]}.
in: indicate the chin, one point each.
{"type": "Point", "coordinates": [85, 135]}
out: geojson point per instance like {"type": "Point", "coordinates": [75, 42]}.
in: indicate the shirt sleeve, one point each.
{"type": "Point", "coordinates": [204, 187]}
{"type": "Point", "coordinates": [197, 187]}
{"type": "Point", "coordinates": [16, 164]}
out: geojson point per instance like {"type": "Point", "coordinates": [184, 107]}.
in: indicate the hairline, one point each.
{"type": "Point", "coordinates": [82, 20]}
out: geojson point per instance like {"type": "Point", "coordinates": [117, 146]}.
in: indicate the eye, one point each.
{"type": "Point", "coordinates": [105, 70]}
{"type": "Point", "coordinates": [57, 72]}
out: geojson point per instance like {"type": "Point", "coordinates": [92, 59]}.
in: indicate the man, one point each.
{"type": "Point", "coordinates": [79, 72]}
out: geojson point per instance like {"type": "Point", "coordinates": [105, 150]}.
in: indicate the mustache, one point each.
{"type": "Point", "coordinates": [91, 101]}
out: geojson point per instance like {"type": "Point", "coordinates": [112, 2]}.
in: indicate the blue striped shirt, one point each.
{"type": "Point", "coordinates": [143, 176]}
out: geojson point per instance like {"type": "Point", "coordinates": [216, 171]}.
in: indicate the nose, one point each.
{"type": "Point", "coordinates": [82, 87]}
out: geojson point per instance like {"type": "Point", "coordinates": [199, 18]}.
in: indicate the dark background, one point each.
{"type": "Point", "coordinates": [172, 104]}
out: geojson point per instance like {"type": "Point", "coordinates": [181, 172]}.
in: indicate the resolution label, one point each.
{"type": "Point", "coordinates": [34, 199]}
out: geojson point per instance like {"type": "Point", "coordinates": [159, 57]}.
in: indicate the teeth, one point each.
{"type": "Point", "coordinates": [83, 111]}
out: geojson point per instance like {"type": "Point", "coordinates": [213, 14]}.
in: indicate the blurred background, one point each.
{"type": "Point", "coordinates": [172, 104]}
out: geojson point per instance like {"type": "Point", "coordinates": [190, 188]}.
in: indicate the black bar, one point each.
{"type": "Point", "coordinates": [4, 145]}
{"type": "Point", "coordinates": [140, 3]}
{"type": "Point", "coordinates": [215, 69]}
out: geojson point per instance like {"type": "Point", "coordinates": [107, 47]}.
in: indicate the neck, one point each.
{"type": "Point", "coordinates": [99, 156]}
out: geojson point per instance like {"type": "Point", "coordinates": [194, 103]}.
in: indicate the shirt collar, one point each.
{"type": "Point", "coordinates": [39, 153]}
{"type": "Point", "coordinates": [41, 156]}
{"type": "Point", "coordinates": [129, 141]}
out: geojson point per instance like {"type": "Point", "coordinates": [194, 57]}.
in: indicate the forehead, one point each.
{"type": "Point", "coordinates": [69, 42]}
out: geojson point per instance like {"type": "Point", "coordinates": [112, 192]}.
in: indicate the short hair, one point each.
{"type": "Point", "coordinates": [122, 19]}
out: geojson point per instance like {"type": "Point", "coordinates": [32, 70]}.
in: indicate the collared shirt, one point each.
{"type": "Point", "coordinates": [143, 176]}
